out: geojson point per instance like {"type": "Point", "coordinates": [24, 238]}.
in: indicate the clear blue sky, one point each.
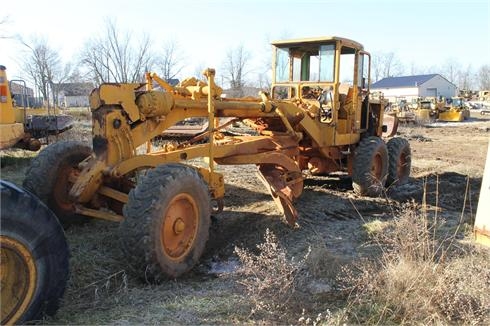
{"type": "Point", "coordinates": [423, 33]}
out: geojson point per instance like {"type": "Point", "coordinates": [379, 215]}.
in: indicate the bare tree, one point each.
{"type": "Point", "coordinates": [61, 76]}
{"type": "Point", "coordinates": [3, 30]}
{"type": "Point", "coordinates": [235, 68]}
{"type": "Point", "coordinates": [484, 77]}
{"type": "Point", "coordinates": [42, 65]}
{"type": "Point", "coordinates": [264, 74]}
{"type": "Point", "coordinates": [386, 64]}
{"type": "Point", "coordinates": [465, 80]}
{"type": "Point", "coordinates": [112, 57]}
{"type": "Point", "coordinates": [450, 70]}
{"type": "Point", "coordinates": [171, 60]}
{"type": "Point", "coordinates": [264, 80]}
{"type": "Point", "coordinates": [198, 70]}
{"type": "Point", "coordinates": [76, 76]}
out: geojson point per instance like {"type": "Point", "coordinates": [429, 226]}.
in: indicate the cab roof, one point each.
{"type": "Point", "coordinates": [321, 39]}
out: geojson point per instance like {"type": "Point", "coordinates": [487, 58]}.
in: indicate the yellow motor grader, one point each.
{"type": "Point", "coordinates": [318, 117]}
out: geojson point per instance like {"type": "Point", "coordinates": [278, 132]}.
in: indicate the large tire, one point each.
{"type": "Point", "coordinates": [48, 177]}
{"type": "Point", "coordinates": [34, 257]}
{"type": "Point", "coordinates": [400, 161]}
{"type": "Point", "coordinates": [370, 167]}
{"type": "Point", "coordinates": [166, 223]}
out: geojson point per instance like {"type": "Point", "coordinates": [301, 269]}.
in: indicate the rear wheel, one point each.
{"type": "Point", "coordinates": [34, 257]}
{"type": "Point", "coordinates": [400, 161]}
{"type": "Point", "coordinates": [166, 223]}
{"type": "Point", "coordinates": [370, 167]}
{"type": "Point", "coordinates": [51, 175]}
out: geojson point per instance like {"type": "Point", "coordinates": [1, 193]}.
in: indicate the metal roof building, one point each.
{"type": "Point", "coordinates": [410, 87]}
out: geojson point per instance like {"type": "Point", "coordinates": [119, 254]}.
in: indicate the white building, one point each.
{"type": "Point", "coordinates": [412, 87]}
{"type": "Point", "coordinates": [75, 94]}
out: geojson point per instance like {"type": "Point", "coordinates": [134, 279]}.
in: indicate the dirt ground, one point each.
{"type": "Point", "coordinates": [447, 167]}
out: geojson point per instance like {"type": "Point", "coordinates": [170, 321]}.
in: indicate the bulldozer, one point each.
{"type": "Point", "coordinates": [317, 118]}
{"type": "Point", "coordinates": [456, 111]}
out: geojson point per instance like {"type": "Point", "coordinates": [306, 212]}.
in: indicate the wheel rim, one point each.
{"type": "Point", "coordinates": [377, 166]}
{"type": "Point", "coordinates": [18, 277]}
{"type": "Point", "coordinates": [61, 189]}
{"type": "Point", "coordinates": [179, 229]}
{"type": "Point", "coordinates": [401, 165]}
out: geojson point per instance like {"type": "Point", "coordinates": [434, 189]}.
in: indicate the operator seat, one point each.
{"type": "Point", "coordinates": [345, 99]}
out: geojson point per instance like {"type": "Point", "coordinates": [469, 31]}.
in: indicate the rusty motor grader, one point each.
{"type": "Point", "coordinates": [318, 117]}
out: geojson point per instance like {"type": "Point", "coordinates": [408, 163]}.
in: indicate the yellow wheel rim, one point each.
{"type": "Point", "coordinates": [179, 228]}
{"type": "Point", "coordinates": [62, 186]}
{"type": "Point", "coordinates": [18, 277]}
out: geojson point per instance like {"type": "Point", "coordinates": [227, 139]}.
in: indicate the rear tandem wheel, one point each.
{"type": "Point", "coordinates": [370, 167]}
{"type": "Point", "coordinates": [400, 161]}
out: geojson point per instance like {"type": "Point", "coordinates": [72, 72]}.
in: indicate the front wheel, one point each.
{"type": "Point", "coordinates": [50, 177]}
{"type": "Point", "coordinates": [370, 167]}
{"type": "Point", "coordinates": [34, 257]}
{"type": "Point", "coordinates": [166, 223]}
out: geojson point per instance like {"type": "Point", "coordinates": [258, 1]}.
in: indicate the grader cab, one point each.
{"type": "Point", "coordinates": [318, 117]}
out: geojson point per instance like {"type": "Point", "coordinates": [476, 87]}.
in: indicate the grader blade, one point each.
{"type": "Point", "coordinates": [281, 192]}
{"type": "Point", "coordinates": [451, 116]}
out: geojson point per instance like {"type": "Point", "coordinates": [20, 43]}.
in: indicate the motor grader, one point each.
{"type": "Point", "coordinates": [318, 118]}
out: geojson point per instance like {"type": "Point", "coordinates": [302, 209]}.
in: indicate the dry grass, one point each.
{"type": "Point", "coordinates": [82, 129]}
{"type": "Point", "coordinates": [422, 277]}
{"type": "Point", "coordinates": [269, 278]}
{"type": "Point", "coordinates": [419, 271]}
{"type": "Point", "coordinates": [14, 163]}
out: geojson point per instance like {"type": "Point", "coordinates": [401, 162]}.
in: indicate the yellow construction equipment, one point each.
{"type": "Point", "coordinates": [455, 111]}
{"type": "Point", "coordinates": [11, 131]}
{"type": "Point", "coordinates": [33, 249]}
{"type": "Point", "coordinates": [318, 117]}
{"type": "Point", "coordinates": [23, 127]}
{"type": "Point", "coordinates": [401, 110]}
{"type": "Point", "coordinates": [427, 110]}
